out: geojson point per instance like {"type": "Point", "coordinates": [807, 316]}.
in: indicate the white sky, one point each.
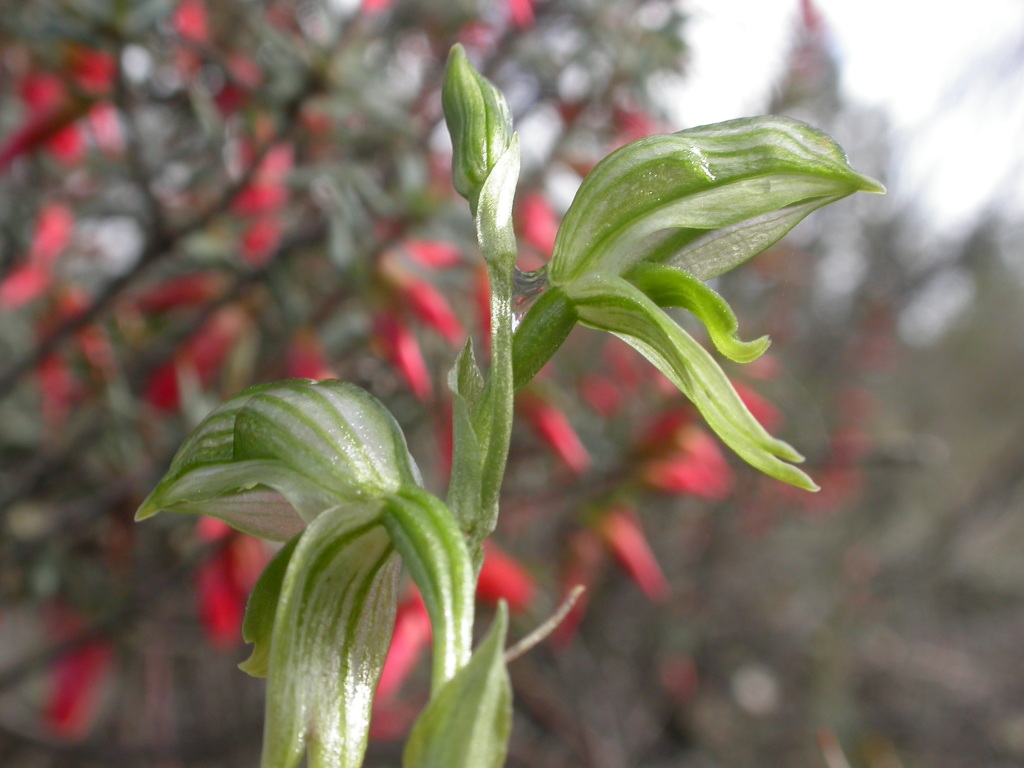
{"type": "Point", "coordinates": [929, 65]}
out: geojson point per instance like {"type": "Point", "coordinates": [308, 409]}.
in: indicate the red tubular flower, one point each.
{"type": "Point", "coordinates": [77, 680]}
{"type": "Point", "coordinates": [430, 306]}
{"type": "Point", "coordinates": [371, 7]}
{"type": "Point", "coordinates": [190, 21]}
{"type": "Point", "coordinates": [52, 115]}
{"type": "Point", "coordinates": [221, 606]}
{"type": "Point", "coordinates": [503, 578]}
{"type": "Point", "coordinates": [520, 12]}
{"type": "Point", "coordinates": [698, 468]}
{"type": "Point", "coordinates": [412, 634]}
{"type": "Point", "coordinates": [260, 239]}
{"type": "Point", "coordinates": [663, 433]}
{"type": "Point", "coordinates": [42, 92]}
{"type": "Point", "coordinates": [56, 389]}
{"type": "Point", "coordinates": [306, 358]}
{"type": "Point", "coordinates": [67, 144]}
{"type": "Point", "coordinates": [31, 279]}
{"type": "Point", "coordinates": [632, 124]}
{"type": "Point", "coordinates": [538, 222]}
{"type": "Point", "coordinates": [202, 355]}
{"type": "Point", "coordinates": [54, 227]}
{"type": "Point", "coordinates": [106, 129]}
{"type": "Point", "coordinates": [602, 394]}
{"type": "Point", "coordinates": [433, 254]}
{"type": "Point", "coordinates": [621, 531]}
{"type": "Point", "coordinates": [267, 191]}
{"type": "Point", "coordinates": [54, 130]}
{"type": "Point", "coordinates": [193, 290]}
{"type": "Point", "coordinates": [93, 71]}
{"type": "Point", "coordinates": [585, 557]}
{"type": "Point", "coordinates": [23, 284]}
{"type": "Point", "coordinates": [555, 430]}
{"type": "Point", "coordinates": [224, 581]}
{"type": "Point", "coordinates": [765, 412]}
{"type": "Point", "coordinates": [403, 350]}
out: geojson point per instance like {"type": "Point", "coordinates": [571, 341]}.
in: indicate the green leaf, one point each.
{"type": "Point", "coordinates": [479, 123]}
{"type": "Point", "coordinates": [669, 287]}
{"type": "Point", "coordinates": [467, 724]}
{"type": "Point", "coordinates": [259, 511]}
{"type": "Point", "coordinates": [331, 635]}
{"type": "Point", "coordinates": [494, 212]}
{"type": "Point", "coordinates": [261, 610]}
{"type": "Point", "coordinates": [275, 456]}
{"type": "Point", "coordinates": [714, 177]}
{"type": "Point", "coordinates": [540, 334]}
{"type": "Point", "coordinates": [426, 535]}
{"type": "Point", "coordinates": [613, 304]}
{"type": "Point", "coordinates": [466, 385]}
{"type": "Point", "coordinates": [706, 255]}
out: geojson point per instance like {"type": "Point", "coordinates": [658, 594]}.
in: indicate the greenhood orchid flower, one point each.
{"type": "Point", "coordinates": [324, 466]}
{"type": "Point", "coordinates": [656, 219]}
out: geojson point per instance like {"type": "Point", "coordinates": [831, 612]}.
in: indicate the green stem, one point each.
{"type": "Point", "coordinates": [483, 425]}
{"type": "Point", "coordinates": [494, 416]}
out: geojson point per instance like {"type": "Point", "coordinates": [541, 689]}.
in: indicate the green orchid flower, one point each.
{"type": "Point", "coordinates": [656, 219]}
{"type": "Point", "coordinates": [324, 466]}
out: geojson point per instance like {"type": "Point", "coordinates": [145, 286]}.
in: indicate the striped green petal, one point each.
{"type": "Point", "coordinates": [669, 287]}
{"type": "Point", "coordinates": [275, 456]}
{"type": "Point", "coordinates": [729, 176]}
{"type": "Point", "coordinates": [613, 304]}
{"type": "Point", "coordinates": [330, 637]}
{"type": "Point", "coordinates": [427, 536]}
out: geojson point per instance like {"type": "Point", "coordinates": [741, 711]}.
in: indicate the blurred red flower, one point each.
{"type": "Point", "coordinates": [77, 679]}
{"type": "Point", "coordinates": [31, 279]}
{"type": "Point", "coordinates": [431, 307]}
{"type": "Point", "coordinates": [306, 357]}
{"type": "Point", "coordinates": [191, 22]}
{"type": "Point", "coordinates": [412, 634]}
{"type": "Point", "coordinates": [433, 254]}
{"type": "Point", "coordinates": [403, 350]}
{"type": "Point", "coordinates": [622, 533]}
{"type": "Point", "coordinates": [201, 356]}
{"type": "Point", "coordinates": [537, 222]}
{"type": "Point", "coordinates": [554, 429]}
{"type": "Point", "coordinates": [695, 466]}
{"type": "Point", "coordinates": [503, 578]}
{"type": "Point", "coordinates": [224, 580]}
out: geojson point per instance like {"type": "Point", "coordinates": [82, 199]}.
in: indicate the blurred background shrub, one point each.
{"type": "Point", "coordinates": [195, 196]}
